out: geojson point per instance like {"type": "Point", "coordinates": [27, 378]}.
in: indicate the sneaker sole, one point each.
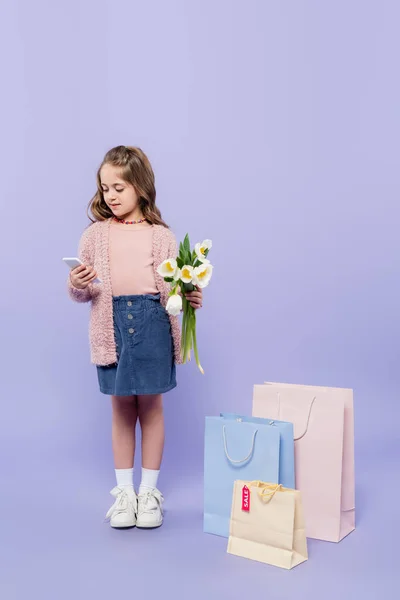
{"type": "Point", "coordinates": [124, 526]}
{"type": "Point", "coordinates": [149, 526]}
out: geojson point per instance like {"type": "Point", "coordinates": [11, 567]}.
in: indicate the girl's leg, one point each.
{"type": "Point", "coordinates": [150, 500]}
{"type": "Point", "coordinates": [151, 418]}
{"type": "Point", "coordinates": [124, 418]}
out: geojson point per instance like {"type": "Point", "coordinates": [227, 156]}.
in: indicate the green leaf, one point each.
{"type": "Point", "coordinates": [179, 262]}
{"type": "Point", "coordinates": [185, 253]}
{"type": "Point", "coordinates": [168, 279]}
{"type": "Point", "coordinates": [186, 243]}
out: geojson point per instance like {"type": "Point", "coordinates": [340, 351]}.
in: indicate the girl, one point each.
{"type": "Point", "coordinates": [134, 343]}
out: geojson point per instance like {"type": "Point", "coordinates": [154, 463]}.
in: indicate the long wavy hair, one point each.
{"type": "Point", "coordinates": [135, 170]}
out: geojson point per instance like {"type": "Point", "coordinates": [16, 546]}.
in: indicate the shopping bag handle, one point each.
{"type": "Point", "coordinates": [243, 460]}
{"type": "Point", "coordinates": [267, 491]}
{"type": "Point", "coordinates": [308, 417]}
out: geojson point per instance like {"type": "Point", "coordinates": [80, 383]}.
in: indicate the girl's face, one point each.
{"type": "Point", "coordinates": [119, 195]}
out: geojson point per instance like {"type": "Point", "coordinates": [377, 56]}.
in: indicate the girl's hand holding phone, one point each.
{"type": "Point", "coordinates": [82, 276]}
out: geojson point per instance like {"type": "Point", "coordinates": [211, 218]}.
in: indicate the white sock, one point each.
{"type": "Point", "coordinates": [149, 480]}
{"type": "Point", "coordinates": [124, 478]}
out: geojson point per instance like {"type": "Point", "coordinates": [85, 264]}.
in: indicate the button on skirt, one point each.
{"type": "Point", "coordinates": [145, 349]}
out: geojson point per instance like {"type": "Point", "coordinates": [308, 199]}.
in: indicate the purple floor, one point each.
{"type": "Point", "coordinates": [54, 545]}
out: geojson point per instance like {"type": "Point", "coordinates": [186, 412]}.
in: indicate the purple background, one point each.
{"type": "Point", "coordinates": [274, 130]}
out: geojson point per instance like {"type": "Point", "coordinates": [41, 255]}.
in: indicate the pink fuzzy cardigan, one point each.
{"type": "Point", "coordinates": [94, 251]}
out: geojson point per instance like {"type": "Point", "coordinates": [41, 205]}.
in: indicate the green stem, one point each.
{"type": "Point", "coordinates": [186, 339]}
{"type": "Point", "coordinates": [183, 335]}
{"type": "Point", "coordinates": [195, 350]}
{"type": "Point", "coordinates": [188, 333]}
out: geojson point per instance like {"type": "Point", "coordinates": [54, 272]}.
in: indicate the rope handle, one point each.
{"type": "Point", "coordinates": [266, 490]}
{"type": "Point", "coordinates": [238, 462]}
{"type": "Point", "coordinates": [308, 417]}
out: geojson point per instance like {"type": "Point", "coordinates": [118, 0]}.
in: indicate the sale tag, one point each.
{"type": "Point", "coordinates": [245, 498]}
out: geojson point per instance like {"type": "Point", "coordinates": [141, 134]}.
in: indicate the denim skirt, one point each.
{"type": "Point", "coordinates": [145, 350]}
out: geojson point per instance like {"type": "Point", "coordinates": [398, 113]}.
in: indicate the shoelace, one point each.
{"type": "Point", "coordinates": [144, 501]}
{"type": "Point", "coordinates": [120, 505]}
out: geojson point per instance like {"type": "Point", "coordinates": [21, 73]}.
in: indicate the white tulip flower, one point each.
{"type": "Point", "coordinates": [201, 249]}
{"type": "Point", "coordinates": [187, 274]}
{"type": "Point", "coordinates": [168, 268]}
{"type": "Point", "coordinates": [174, 305]}
{"type": "Point", "coordinates": [202, 275]}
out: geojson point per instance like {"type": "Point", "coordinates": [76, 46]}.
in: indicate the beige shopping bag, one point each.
{"type": "Point", "coordinates": [267, 524]}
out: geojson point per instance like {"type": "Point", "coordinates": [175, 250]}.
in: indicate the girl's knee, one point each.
{"type": "Point", "coordinates": [150, 404]}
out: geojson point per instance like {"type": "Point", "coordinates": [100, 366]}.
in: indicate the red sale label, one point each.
{"type": "Point", "coordinates": [245, 498]}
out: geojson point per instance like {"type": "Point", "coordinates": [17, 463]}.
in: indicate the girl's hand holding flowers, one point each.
{"type": "Point", "coordinates": [195, 298]}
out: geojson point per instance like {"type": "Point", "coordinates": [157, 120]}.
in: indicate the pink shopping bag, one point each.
{"type": "Point", "coordinates": [323, 420]}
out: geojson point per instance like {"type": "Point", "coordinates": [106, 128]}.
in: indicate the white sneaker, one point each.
{"type": "Point", "coordinates": [123, 512]}
{"type": "Point", "coordinates": [150, 512]}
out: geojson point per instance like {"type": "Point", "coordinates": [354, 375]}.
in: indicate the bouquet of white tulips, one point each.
{"type": "Point", "coordinates": [191, 268]}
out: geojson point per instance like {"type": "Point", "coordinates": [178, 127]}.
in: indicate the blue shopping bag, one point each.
{"type": "Point", "coordinates": [286, 454]}
{"type": "Point", "coordinates": [235, 450]}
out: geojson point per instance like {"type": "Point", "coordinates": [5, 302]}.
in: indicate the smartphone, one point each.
{"type": "Point", "coordinates": [75, 262]}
